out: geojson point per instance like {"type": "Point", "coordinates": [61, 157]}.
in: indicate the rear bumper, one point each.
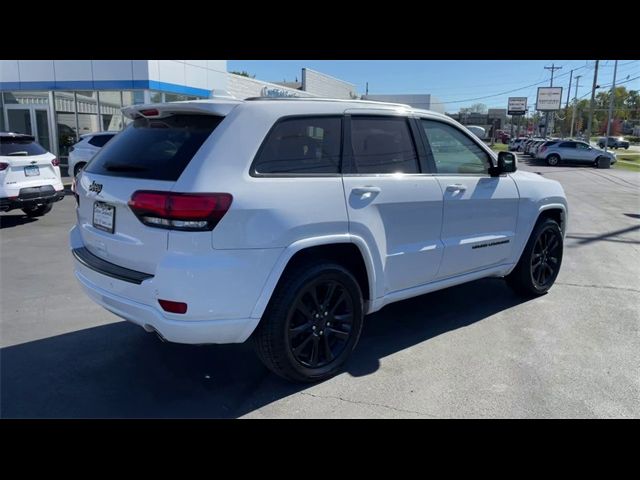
{"type": "Point", "coordinates": [30, 197]}
{"type": "Point", "coordinates": [220, 287]}
{"type": "Point", "coordinates": [152, 320]}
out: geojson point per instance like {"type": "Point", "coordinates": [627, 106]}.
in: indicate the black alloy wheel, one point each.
{"type": "Point", "coordinates": [545, 259]}
{"type": "Point", "coordinates": [319, 324]}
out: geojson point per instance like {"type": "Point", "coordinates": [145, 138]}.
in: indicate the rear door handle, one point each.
{"type": "Point", "coordinates": [456, 187]}
{"type": "Point", "coordinates": [366, 189]}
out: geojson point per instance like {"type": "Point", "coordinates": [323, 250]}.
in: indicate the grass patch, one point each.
{"type": "Point", "coordinates": [634, 167]}
{"type": "Point", "coordinates": [629, 158]}
{"type": "Point", "coordinates": [499, 147]}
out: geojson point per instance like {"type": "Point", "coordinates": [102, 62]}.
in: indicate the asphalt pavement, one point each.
{"type": "Point", "coordinates": [475, 350]}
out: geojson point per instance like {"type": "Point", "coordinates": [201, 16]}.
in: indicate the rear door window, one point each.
{"type": "Point", "coordinates": [100, 140]}
{"type": "Point", "coordinates": [301, 146]}
{"type": "Point", "coordinates": [155, 149]}
{"type": "Point", "coordinates": [567, 145]}
{"type": "Point", "coordinates": [20, 147]}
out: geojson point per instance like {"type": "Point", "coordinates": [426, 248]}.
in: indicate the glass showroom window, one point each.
{"type": "Point", "coordinates": [111, 117]}
{"type": "Point", "coordinates": [28, 112]}
{"type": "Point", "coordinates": [88, 121]}
{"type": "Point", "coordinates": [66, 121]}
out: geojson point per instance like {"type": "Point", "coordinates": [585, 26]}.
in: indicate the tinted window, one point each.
{"type": "Point", "coordinates": [157, 149]}
{"type": "Point", "coordinates": [582, 146]}
{"type": "Point", "coordinates": [20, 146]}
{"type": "Point", "coordinates": [453, 151]}
{"type": "Point", "coordinates": [383, 145]}
{"type": "Point", "coordinates": [100, 140]}
{"type": "Point", "coordinates": [567, 145]}
{"type": "Point", "coordinates": [306, 145]}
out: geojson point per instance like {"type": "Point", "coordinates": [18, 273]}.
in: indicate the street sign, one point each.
{"type": "Point", "coordinates": [549, 99]}
{"type": "Point", "coordinates": [517, 106]}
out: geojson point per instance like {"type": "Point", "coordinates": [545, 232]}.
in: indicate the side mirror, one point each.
{"type": "Point", "coordinates": [506, 164]}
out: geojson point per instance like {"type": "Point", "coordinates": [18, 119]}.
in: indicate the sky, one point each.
{"type": "Point", "coordinates": [456, 83]}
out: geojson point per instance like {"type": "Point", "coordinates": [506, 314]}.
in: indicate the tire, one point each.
{"type": "Point", "coordinates": [602, 162]}
{"type": "Point", "coordinates": [545, 243]}
{"type": "Point", "coordinates": [77, 168]}
{"type": "Point", "coordinates": [293, 308]}
{"type": "Point", "coordinates": [553, 160]}
{"type": "Point", "coordinates": [38, 211]}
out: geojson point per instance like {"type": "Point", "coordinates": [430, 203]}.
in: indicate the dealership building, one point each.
{"type": "Point", "coordinates": [59, 100]}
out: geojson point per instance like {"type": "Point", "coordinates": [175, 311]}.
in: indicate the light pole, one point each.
{"type": "Point", "coordinates": [613, 94]}
{"type": "Point", "coordinates": [553, 68]}
{"type": "Point", "coordinates": [575, 105]}
{"type": "Point", "coordinates": [593, 95]}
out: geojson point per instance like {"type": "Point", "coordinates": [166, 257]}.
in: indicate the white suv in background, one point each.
{"type": "Point", "coordinates": [288, 220]}
{"type": "Point", "coordinates": [29, 175]}
{"type": "Point", "coordinates": [88, 145]}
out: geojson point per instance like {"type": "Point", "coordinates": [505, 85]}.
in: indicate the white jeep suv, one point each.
{"type": "Point", "coordinates": [288, 220]}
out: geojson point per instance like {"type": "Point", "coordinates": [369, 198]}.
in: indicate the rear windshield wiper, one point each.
{"type": "Point", "coordinates": [123, 167]}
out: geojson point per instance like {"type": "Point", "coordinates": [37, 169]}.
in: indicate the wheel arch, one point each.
{"type": "Point", "coordinates": [348, 250]}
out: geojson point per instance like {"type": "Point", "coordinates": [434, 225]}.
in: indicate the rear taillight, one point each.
{"type": "Point", "coordinates": [180, 211]}
{"type": "Point", "coordinates": [542, 149]}
{"type": "Point", "coordinates": [55, 162]}
{"type": "Point", "coordinates": [3, 166]}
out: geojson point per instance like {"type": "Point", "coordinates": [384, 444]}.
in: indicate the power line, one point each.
{"type": "Point", "coordinates": [508, 91]}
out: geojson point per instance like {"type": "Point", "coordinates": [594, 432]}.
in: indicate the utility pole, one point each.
{"type": "Point", "coordinates": [575, 105]}
{"type": "Point", "coordinates": [593, 96]}
{"type": "Point", "coordinates": [569, 91]}
{"type": "Point", "coordinates": [553, 68]}
{"type": "Point", "coordinates": [367, 89]}
{"type": "Point", "coordinates": [613, 94]}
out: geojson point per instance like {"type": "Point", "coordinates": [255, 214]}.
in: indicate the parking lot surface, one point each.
{"type": "Point", "coordinates": [475, 350]}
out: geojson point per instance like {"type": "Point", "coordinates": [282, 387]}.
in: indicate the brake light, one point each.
{"type": "Point", "coordinates": [180, 211]}
{"type": "Point", "coordinates": [3, 166]}
{"type": "Point", "coordinates": [151, 112]}
{"type": "Point", "coordinates": [173, 307]}
{"type": "Point", "coordinates": [55, 162]}
{"type": "Point", "coordinates": [542, 149]}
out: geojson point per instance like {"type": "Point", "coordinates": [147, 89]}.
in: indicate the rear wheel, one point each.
{"type": "Point", "coordinates": [312, 324]}
{"type": "Point", "coordinates": [540, 262]}
{"type": "Point", "coordinates": [38, 210]}
{"type": "Point", "coordinates": [553, 160]}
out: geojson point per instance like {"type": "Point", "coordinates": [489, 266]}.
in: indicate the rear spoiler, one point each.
{"type": "Point", "coordinates": [158, 110]}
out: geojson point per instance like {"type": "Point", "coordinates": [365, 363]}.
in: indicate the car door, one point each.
{"type": "Point", "coordinates": [479, 211]}
{"type": "Point", "coordinates": [584, 152]}
{"type": "Point", "coordinates": [392, 204]}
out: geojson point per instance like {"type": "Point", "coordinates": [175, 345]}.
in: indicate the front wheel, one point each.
{"type": "Point", "coordinates": [553, 160]}
{"type": "Point", "coordinates": [38, 210]}
{"type": "Point", "coordinates": [312, 324]}
{"type": "Point", "coordinates": [540, 262]}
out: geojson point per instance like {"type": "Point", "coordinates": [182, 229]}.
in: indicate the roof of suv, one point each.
{"type": "Point", "coordinates": [291, 105]}
{"type": "Point", "coordinates": [97, 134]}
{"type": "Point", "coordinates": [16, 135]}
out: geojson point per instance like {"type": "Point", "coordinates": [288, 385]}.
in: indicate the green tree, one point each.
{"type": "Point", "coordinates": [243, 73]}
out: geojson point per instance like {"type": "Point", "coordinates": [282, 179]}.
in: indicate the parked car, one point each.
{"type": "Point", "coordinates": [529, 144]}
{"type": "Point", "coordinates": [613, 142]}
{"type": "Point", "coordinates": [514, 143]}
{"type": "Point", "coordinates": [285, 221]}
{"type": "Point", "coordinates": [543, 147]}
{"type": "Point", "coordinates": [29, 175]}
{"type": "Point", "coordinates": [576, 152]}
{"type": "Point", "coordinates": [88, 145]}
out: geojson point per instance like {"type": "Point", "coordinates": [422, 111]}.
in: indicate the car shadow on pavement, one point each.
{"type": "Point", "coordinates": [118, 371]}
{"type": "Point", "coordinates": [8, 220]}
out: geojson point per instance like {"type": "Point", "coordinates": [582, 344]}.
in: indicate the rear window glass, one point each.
{"type": "Point", "coordinates": [100, 140]}
{"type": "Point", "coordinates": [20, 146]}
{"type": "Point", "coordinates": [155, 149]}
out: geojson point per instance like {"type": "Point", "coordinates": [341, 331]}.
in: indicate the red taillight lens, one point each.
{"type": "Point", "coordinates": [542, 149]}
{"type": "Point", "coordinates": [151, 112]}
{"type": "Point", "coordinates": [180, 211]}
{"type": "Point", "coordinates": [173, 307]}
{"type": "Point", "coordinates": [55, 162]}
{"type": "Point", "coordinates": [3, 166]}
